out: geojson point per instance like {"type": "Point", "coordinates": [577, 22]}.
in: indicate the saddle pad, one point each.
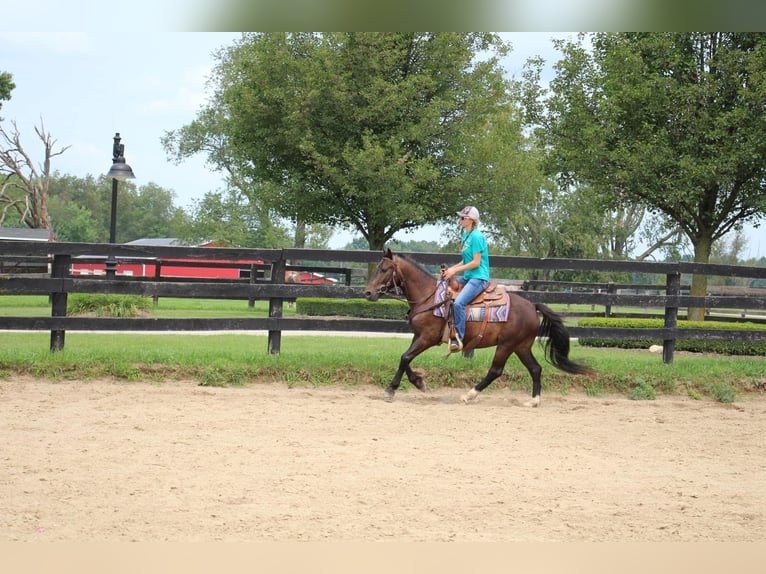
{"type": "Point", "coordinates": [497, 313]}
{"type": "Point", "coordinates": [441, 291]}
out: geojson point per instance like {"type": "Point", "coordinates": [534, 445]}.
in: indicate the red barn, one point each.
{"type": "Point", "coordinates": [172, 267]}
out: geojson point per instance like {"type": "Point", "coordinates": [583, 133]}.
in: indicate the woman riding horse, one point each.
{"type": "Point", "coordinates": [516, 333]}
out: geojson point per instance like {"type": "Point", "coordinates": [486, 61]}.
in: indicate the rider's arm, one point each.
{"type": "Point", "coordinates": [461, 267]}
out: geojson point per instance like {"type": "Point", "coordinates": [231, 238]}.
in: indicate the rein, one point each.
{"type": "Point", "coordinates": [415, 307]}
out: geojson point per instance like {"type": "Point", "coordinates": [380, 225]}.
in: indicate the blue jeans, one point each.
{"type": "Point", "coordinates": [471, 288]}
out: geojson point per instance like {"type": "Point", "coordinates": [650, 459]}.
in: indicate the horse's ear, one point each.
{"type": "Point", "coordinates": [387, 253]}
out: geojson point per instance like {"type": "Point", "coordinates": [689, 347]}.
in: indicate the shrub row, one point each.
{"type": "Point", "coordinates": [361, 308]}
{"type": "Point", "coordinates": [693, 345]}
{"type": "Point", "coordinates": [394, 309]}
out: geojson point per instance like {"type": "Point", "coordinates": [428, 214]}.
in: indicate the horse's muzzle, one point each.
{"type": "Point", "coordinates": [372, 295]}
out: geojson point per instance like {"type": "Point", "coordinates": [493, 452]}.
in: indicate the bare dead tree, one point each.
{"type": "Point", "coordinates": [24, 185]}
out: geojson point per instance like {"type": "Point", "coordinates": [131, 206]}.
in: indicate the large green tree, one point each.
{"type": "Point", "coordinates": [378, 132]}
{"type": "Point", "coordinates": [673, 121]}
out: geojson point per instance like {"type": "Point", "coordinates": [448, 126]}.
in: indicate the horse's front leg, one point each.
{"type": "Point", "coordinates": [416, 347]}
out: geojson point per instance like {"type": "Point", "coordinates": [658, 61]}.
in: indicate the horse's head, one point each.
{"type": "Point", "coordinates": [384, 279]}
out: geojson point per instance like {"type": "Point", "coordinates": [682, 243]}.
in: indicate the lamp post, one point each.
{"type": "Point", "coordinates": [119, 171]}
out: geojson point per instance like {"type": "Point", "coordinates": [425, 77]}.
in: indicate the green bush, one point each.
{"type": "Point", "coordinates": [720, 390]}
{"type": "Point", "coordinates": [361, 308]}
{"type": "Point", "coordinates": [108, 305]}
{"type": "Point", "coordinates": [720, 346]}
{"type": "Point", "coordinates": [642, 391]}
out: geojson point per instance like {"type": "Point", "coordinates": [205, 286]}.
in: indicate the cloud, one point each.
{"type": "Point", "coordinates": [189, 94]}
{"type": "Point", "coordinates": [183, 101]}
{"type": "Point", "coordinates": [53, 42]}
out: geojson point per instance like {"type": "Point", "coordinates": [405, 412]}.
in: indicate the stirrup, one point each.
{"type": "Point", "coordinates": [455, 345]}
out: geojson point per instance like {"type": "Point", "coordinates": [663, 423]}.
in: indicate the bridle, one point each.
{"type": "Point", "coordinates": [397, 281]}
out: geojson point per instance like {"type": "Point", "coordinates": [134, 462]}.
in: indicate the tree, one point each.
{"type": "Point", "coordinates": [24, 185]}
{"type": "Point", "coordinates": [72, 222]}
{"type": "Point", "coordinates": [380, 132]}
{"type": "Point", "coordinates": [6, 87]}
{"type": "Point", "coordinates": [673, 121]}
{"type": "Point", "coordinates": [80, 210]}
{"type": "Point", "coordinates": [229, 219]}
{"type": "Point", "coordinates": [611, 231]}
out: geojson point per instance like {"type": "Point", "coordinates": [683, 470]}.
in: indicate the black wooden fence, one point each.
{"type": "Point", "coordinates": [59, 282]}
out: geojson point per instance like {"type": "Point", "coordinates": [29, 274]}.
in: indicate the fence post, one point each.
{"type": "Point", "coordinates": [59, 270]}
{"type": "Point", "coordinates": [672, 289]}
{"type": "Point", "coordinates": [278, 269]}
{"type": "Point", "coordinates": [611, 289]}
{"type": "Point", "coordinates": [111, 267]}
{"type": "Point", "coordinates": [253, 271]}
{"type": "Point", "coordinates": [157, 277]}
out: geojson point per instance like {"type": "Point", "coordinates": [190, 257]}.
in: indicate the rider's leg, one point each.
{"type": "Point", "coordinates": [469, 292]}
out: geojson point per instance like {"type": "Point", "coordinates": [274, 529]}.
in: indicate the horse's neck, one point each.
{"type": "Point", "coordinates": [418, 285]}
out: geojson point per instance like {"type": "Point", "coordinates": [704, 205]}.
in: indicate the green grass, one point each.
{"type": "Point", "coordinates": [236, 359]}
{"type": "Point", "coordinates": [166, 308]}
{"type": "Point", "coordinates": [225, 360]}
{"type": "Point", "coordinates": [25, 306]}
{"type": "Point", "coordinates": [173, 308]}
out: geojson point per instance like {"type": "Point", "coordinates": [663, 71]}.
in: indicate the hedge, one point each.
{"type": "Point", "coordinates": [395, 309]}
{"type": "Point", "coordinates": [361, 308]}
{"type": "Point", "coordinates": [693, 345]}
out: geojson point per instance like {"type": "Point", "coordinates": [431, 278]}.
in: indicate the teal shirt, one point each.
{"type": "Point", "coordinates": [475, 242]}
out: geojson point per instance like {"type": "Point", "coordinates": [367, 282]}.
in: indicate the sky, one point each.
{"type": "Point", "coordinates": [84, 87]}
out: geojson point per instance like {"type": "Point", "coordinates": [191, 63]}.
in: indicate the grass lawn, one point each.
{"type": "Point", "coordinates": [238, 359]}
{"type": "Point", "coordinates": [344, 359]}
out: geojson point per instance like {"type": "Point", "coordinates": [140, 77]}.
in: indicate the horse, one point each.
{"type": "Point", "coordinates": [516, 334]}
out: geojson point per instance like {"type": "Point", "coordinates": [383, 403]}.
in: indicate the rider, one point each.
{"type": "Point", "coordinates": [475, 269]}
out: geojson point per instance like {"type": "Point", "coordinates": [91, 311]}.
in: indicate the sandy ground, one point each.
{"type": "Point", "coordinates": [116, 461]}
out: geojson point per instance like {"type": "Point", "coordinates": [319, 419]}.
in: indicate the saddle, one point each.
{"type": "Point", "coordinates": [492, 304]}
{"type": "Point", "coordinates": [493, 294]}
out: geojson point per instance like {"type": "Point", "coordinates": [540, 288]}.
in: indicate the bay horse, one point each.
{"type": "Point", "coordinates": [514, 335]}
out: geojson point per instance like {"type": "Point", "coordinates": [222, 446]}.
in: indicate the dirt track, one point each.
{"type": "Point", "coordinates": [105, 461]}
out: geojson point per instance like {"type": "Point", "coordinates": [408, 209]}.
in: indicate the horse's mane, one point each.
{"type": "Point", "coordinates": [416, 265]}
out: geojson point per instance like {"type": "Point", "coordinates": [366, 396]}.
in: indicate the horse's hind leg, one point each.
{"type": "Point", "coordinates": [495, 370]}
{"type": "Point", "coordinates": [535, 370]}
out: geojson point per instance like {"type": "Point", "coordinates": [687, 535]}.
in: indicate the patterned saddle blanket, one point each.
{"type": "Point", "coordinates": [492, 303]}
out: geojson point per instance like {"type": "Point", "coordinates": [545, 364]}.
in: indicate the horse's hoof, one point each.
{"type": "Point", "coordinates": [534, 402]}
{"type": "Point", "coordinates": [469, 396]}
{"type": "Point", "coordinates": [419, 385]}
{"type": "Point", "coordinates": [389, 394]}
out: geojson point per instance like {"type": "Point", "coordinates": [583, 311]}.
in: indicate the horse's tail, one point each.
{"type": "Point", "coordinates": [556, 342]}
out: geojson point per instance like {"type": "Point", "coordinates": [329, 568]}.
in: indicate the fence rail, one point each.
{"type": "Point", "coordinates": [272, 286]}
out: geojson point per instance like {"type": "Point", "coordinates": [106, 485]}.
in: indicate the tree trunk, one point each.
{"type": "Point", "coordinates": [702, 247]}
{"type": "Point", "coordinates": [299, 240]}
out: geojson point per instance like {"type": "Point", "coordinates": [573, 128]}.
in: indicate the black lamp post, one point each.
{"type": "Point", "coordinates": [119, 171]}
